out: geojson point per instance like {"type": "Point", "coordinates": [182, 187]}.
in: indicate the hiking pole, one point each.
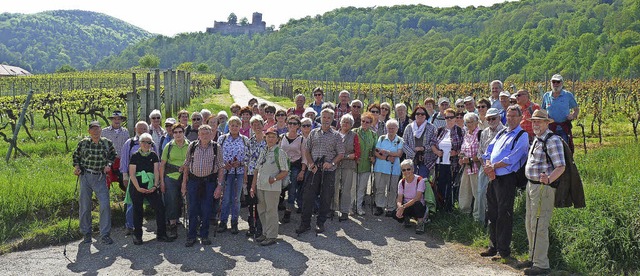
{"type": "Point", "coordinates": [321, 187]}
{"type": "Point", "coordinates": [185, 212]}
{"type": "Point", "coordinates": [535, 234]}
{"type": "Point", "coordinates": [75, 192]}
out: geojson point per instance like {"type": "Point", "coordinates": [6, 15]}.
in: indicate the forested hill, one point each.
{"type": "Point", "coordinates": [43, 42]}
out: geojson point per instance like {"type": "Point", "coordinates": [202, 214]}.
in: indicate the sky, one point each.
{"type": "Point", "coordinates": [159, 17]}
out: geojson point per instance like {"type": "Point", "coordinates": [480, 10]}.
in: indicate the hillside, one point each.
{"type": "Point", "coordinates": [586, 38]}
{"type": "Point", "coordinates": [43, 42]}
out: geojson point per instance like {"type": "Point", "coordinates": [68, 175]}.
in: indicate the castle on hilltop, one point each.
{"type": "Point", "coordinates": [232, 28]}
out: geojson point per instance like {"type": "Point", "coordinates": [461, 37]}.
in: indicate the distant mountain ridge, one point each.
{"type": "Point", "coordinates": [42, 42]}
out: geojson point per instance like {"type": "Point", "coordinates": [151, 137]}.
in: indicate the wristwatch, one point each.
{"type": "Point", "coordinates": [333, 164]}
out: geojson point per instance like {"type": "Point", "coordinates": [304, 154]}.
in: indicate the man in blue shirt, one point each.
{"type": "Point", "coordinates": [504, 156]}
{"type": "Point", "coordinates": [562, 108]}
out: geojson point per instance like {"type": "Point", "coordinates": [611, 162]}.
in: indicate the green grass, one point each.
{"type": "Point", "coordinates": [259, 92]}
{"type": "Point", "coordinates": [603, 238]}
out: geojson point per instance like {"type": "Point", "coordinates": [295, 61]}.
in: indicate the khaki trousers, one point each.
{"type": "Point", "coordinates": [543, 197]}
{"type": "Point", "coordinates": [468, 190]}
{"type": "Point", "coordinates": [268, 212]}
{"type": "Point", "coordinates": [386, 190]}
{"type": "Point", "coordinates": [342, 195]}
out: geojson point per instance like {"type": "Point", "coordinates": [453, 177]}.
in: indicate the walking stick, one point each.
{"type": "Point", "coordinates": [75, 192]}
{"type": "Point", "coordinates": [185, 212]}
{"type": "Point", "coordinates": [535, 234]}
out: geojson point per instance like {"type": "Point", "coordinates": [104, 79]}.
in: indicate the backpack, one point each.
{"type": "Point", "coordinates": [568, 180]}
{"type": "Point", "coordinates": [521, 179]}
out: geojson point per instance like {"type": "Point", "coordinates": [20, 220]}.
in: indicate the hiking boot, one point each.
{"type": "Point", "coordinates": [525, 264]}
{"type": "Point", "coordinates": [287, 217]}
{"type": "Point", "coordinates": [205, 241]}
{"type": "Point", "coordinates": [302, 229]}
{"type": "Point", "coordinates": [87, 238]}
{"type": "Point", "coordinates": [137, 241]}
{"type": "Point", "coordinates": [261, 238]}
{"type": "Point", "coordinates": [378, 211]}
{"type": "Point", "coordinates": [420, 228]}
{"type": "Point", "coordinates": [172, 231]}
{"type": "Point", "coordinates": [536, 271]}
{"type": "Point", "coordinates": [107, 240]}
{"type": "Point", "coordinates": [489, 252]}
{"type": "Point", "coordinates": [190, 242]}
{"type": "Point", "coordinates": [343, 217]}
{"type": "Point", "coordinates": [222, 227]}
{"type": "Point", "coordinates": [268, 242]}
{"type": "Point", "coordinates": [164, 239]}
{"type": "Point", "coordinates": [234, 228]}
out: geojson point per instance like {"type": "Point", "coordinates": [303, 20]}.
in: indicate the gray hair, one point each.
{"type": "Point", "coordinates": [401, 105]}
{"type": "Point", "coordinates": [498, 82]}
{"type": "Point", "coordinates": [155, 112]}
{"type": "Point", "coordinates": [142, 123]}
{"type": "Point", "coordinates": [328, 110]}
{"type": "Point", "coordinates": [470, 117]}
{"type": "Point", "coordinates": [358, 102]}
{"type": "Point", "coordinates": [345, 92]}
{"type": "Point", "coordinates": [347, 118]}
{"type": "Point", "coordinates": [235, 119]}
{"type": "Point", "coordinates": [205, 112]}
{"type": "Point", "coordinates": [392, 122]}
{"type": "Point", "coordinates": [329, 105]}
{"type": "Point", "coordinates": [256, 118]}
{"type": "Point", "coordinates": [306, 120]}
{"type": "Point", "coordinates": [146, 136]}
{"type": "Point", "coordinates": [406, 162]}
{"type": "Point", "coordinates": [516, 108]}
{"type": "Point", "coordinates": [194, 114]}
{"type": "Point", "coordinates": [301, 95]}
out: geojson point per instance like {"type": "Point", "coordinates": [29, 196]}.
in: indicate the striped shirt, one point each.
{"type": "Point", "coordinates": [327, 144]}
{"type": "Point", "coordinates": [537, 162]}
{"type": "Point", "coordinates": [94, 156]}
{"type": "Point", "coordinates": [202, 162]}
{"type": "Point", "coordinates": [117, 135]}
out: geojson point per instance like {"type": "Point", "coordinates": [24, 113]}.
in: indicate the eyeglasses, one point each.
{"type": "Point", "coordinates": [492, 119]}
{"type": "Point", "coordinates": [459, 117]}
{"type": "Point", "coordinates": [155, 118]}
{"type": "Point", "coordinates": [281, 115]}
{"type": "Point", "coordinates": [196, 119]}
{"type": "Point", "coordinates": [375, 111]}
{"type": "Point", "coordinates": [421, 114]}
{"type": "Point", "coordinates": [513, 102]}
{"type": "Point", "coordinates": [269, 112]}
{"type": "Point", "coordinates": [178, 131]}
{"type": "Point", "coordinates": [555, 81]}
{"type": "Point", "coordinates": [365, 122]}
{"type": "Point", "coordinates": [384, 108]}
{"type": "Point", "coordinates": [305, 125]}
{"type": "Point", "coordinates": [356, 106]}
{"type": "Point", "coordinates": [450, 117]}
{"type": "Point", "coordinates": [460, 106]}
{"type": "Point", "coordinates": [407, 169]}
{"type": "Point", "coordinates": [147, 142]}
{"type": "Point", "coordinates": [317, 94]}
{"type": "Point", "coordinates": [482, 106]}
{"type": "Point", "coordinates": [293, 123]}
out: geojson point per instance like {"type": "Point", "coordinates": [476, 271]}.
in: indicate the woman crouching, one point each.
{"type": "Point", "coordinates": [409, 202]}
{"type": "Point", "coordinates": [271, 170]}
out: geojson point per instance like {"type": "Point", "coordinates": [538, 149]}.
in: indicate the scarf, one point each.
{"type": "Point", "coordinates": [417, 130]}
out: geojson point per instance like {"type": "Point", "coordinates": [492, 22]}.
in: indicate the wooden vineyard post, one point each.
{"type": "Point", "coordinates": [132, 114]}
{"type": "Point", "coordinates": [156, 90]}
{"type": "Point", "coordinates": [181, 90]}
{"type": "Point", "coordinates": [187, 87]}
{"type": "Point", "coordinates": [174, 93]}
{"type": "Point", "coordinates": [167, 95]}
{"type": "Point", "coordinates": [144, 107]}
{"type": "Point", "coordinates": [18, 126]}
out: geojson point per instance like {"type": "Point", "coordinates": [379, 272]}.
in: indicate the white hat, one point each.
{"type": "Point", "coordinates": [493, 112]}
{"type": "Point", "coordinates": [309, 110]}
{"type": "Point", "coordinates": [556, 77]}
{"type": "Point", "coordinates": [223, 113]}
{"type": "Point", "coordinates": [171, 121]}
{"type": "Point", "coordinates": [468, 99]}
{"type": "Point", "coordinates": [443, 100]}
{"type": "Point", "coordinates": [504, 94]}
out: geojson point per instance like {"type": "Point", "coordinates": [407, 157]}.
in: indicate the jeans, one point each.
{"type": "Point", "coordinates": [445, 187]}
{"type": "Point", "coordinates": [294, 189]}
{"type": "Point", "coordinates": [560, 132]}
{"type": "Point", "coordinates": [231, 197]}
{"type": "Point", "coordinates": [172, 198]}
{"type": "Point", "coordinates": [422, 170]}
{"type": "Point", "coordinates": [200, 201]}
{"type": "Point", "coordinates": [128, 216]}
{"type": "Point", "coordinates": [90, 183]}
{"type": "Point", "coordinates": [155, 199]}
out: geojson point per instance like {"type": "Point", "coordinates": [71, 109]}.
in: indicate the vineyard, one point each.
{"type": "Point", "coordinates": [600, 101]}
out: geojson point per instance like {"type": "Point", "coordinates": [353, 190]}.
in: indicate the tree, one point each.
{"type": "Point", "coordinates": [186, 66]}
{"type": "Point", "coordinates": [244, 21]}
{"type": "Point", "coordinates": [232, 19]}
{"type": "Point", "coordinates": [65, 69]}
{"type": "Point", "coordinates": [202, 68]}
{"type": "Point", "coordinates": [149, 61]}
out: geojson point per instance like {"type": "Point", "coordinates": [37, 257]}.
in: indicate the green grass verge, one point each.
{"type": "Point", "coordinates": [261, 93]}
{"type": "Point", "coordinates": [603, 238]}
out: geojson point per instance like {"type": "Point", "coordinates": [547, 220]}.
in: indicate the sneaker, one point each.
{"type": "Point", "coordinates": [87, 238]}
{"type": "Point", "coordinates": [319, 228]}
{"type": "Point", "coordinates": [489, 252]}
{"type": "Point", "coordinates": [420, 228]}
{"type": "Point", "coordinates": [222, 227]}
{"type": "Point", "coordinates": [287, 217]}
{"type": "Point", "coordinates": [128, 231]}
{"type": "Point", "coordinates": [205, 241]}
{"type": "Point", "coordinates": [525, 264]}
{"type": "Point", "coordinates": [378, 211]}
{"type": "Point", "coordinates": [536, 271]}
{"type": "Point", "coordinates": [302, 229]}
{"type": "Point", "coordinates": [164, 239]}
{"type": "Point", "coordinates": [261, 238]}
{"type": "Point", "coordinates": [343, 217]}
{"type": "Point", "coordinates": [137, 241]}
{"type": "Point", "coordinates": [190, 242]}
{"type": "Point", "coordinates": [107, 240]}
{"type": "Point", "coordinates": [267, 242]}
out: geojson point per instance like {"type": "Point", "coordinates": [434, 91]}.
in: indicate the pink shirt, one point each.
{"type": "Point", "coordinates": [410, 189]}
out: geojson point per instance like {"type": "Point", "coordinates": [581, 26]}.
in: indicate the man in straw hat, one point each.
{"type": "Point", "coordinates": [542, 169]}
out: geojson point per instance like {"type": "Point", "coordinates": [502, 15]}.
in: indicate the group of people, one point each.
{"type": "Point", "coordinates": [324, 158]}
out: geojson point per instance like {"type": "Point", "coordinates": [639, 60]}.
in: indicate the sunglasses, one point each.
{"type": "Point", "coordinates": [318, 94]}
{"type": "Point", "coordinates": [513, 102]}
{"type": "Point", "coordinates": [459, 117]}
{"type": "Point", "coordinates": [365, 122]}
{"type": "Point", "coordinates": [196, 119]}
{"type": "Point", "coordinates": [375, 111]}
{"type": "Point", "coordinates": [450, 117]}
{"type": "Point", "coordinates": [555, 81]}
{"type": "Point", "coordinates": [155, 118]}
{"type": "Point", "coordinates": [384, 108]}
{"type": "Point", "coordinates": [306, 125]}
{"type": "Point", "coordinates": [492, 119]}
{"type": "Point", "coordinates": [482, 106]}
{"type": "Point", "coordinates": [269, 112]}
{"type": "Point", "coordinates": [356, 106]}
{"type": "Point", "coordinates": [407, 169]}
{"type": "Point", "coordinates": [178, 131]}
{"type": "Point", "coordinates": [421, 114]}
{"type": "Point", "coordinates": [147, 142]}
{"type": "Point", "coordinates": [293, 123]}
{"type": "Point", "coordinates": [281, 115]}
{"type": "Point", "coordinates": [460, 106]}
{"type": "Point", "coordinates": [518, 95]}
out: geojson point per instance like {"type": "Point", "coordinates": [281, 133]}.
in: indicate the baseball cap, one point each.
{"type": "Point", "coordinates": [556, 77]}
{"type": "Point", "coordinates": [468, 99]}
{"type": "Point", "coordinates": [443, 100]}
{"type": "Point", "coordinates": [94, 124]}
{"type": "Point", "coordinates": [493, 112]}
{"type": "Point", "coordinates": [170, 121]}
{"type": "Point", "coordinates": [504, 94]}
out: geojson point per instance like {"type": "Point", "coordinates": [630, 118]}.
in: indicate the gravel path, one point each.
{"type": "Point", "coordinates": [364, 245]}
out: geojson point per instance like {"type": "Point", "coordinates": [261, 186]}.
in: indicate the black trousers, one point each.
{"type": "Point", "coordinates": [501, 193]}
{"type": "Point", "coordinates": [321, 183]}
{"type": "Point", "coordinates": [445, 186]}
{"type": "Point", "coordinates": [416, 211]}
{"type": "Point", "coordinates": [155, 199]}
{"type": "Point", "coordinates": [252, 203]}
